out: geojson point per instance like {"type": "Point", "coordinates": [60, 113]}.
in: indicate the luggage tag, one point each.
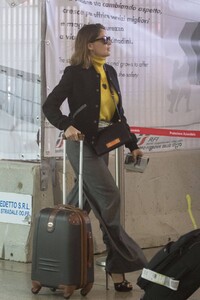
{"type": "Point", "coordinates": [138, 165]}
{"type": "Point", "coordinates": [160, 279]}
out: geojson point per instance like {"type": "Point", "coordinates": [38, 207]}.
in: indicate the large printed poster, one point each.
{"type": "Point", "coordinates": [156, 53]}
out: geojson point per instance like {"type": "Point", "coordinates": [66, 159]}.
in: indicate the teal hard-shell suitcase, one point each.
{"type": "Point", "coordinates": [63, 249]}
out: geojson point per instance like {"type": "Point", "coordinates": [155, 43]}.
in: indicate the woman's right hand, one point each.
{"type": "Point", "coordinates": [71, 133]}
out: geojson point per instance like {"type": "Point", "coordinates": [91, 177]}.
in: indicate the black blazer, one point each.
{"type": "Point", "coordinates": [81, 87]}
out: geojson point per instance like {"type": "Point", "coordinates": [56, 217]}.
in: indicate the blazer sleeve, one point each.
{"type": "Point", "coordinates": [51, 107]}
{"type": "Point", "coordinates": [132, 144]}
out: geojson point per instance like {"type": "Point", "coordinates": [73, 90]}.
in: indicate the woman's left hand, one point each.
{"type": "Point", "coordinates": [135, 153]}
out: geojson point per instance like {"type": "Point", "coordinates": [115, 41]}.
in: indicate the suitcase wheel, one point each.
{"type": "Point", "coordinates": [83, 293]}
{"type": "Point", "coordinates": [35, 291]}
{"type": "Point", "coordinates": [68, 291]}
{"type": "Point", "coordinates": [36, 287]}
{"type": "Point", "coordinates": [86, 289]}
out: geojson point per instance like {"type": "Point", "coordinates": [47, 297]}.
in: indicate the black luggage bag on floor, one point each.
{"type": "Point", "coordinates": [63, 247]}
{"type": "Point", "coordinates": [174, 272]}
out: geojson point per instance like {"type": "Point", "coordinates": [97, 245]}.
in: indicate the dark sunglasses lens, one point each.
{"type": "Point", "coordinates": [106, 39]}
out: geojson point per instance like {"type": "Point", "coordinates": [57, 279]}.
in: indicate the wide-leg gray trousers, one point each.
{"type": "Point", "coordinates": [103, 197]}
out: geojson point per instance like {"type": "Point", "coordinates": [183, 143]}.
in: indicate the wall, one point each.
{"type": "Point", "coordinates": [156, 209]}
{"type": "Point", "coordinates": [21, 178]}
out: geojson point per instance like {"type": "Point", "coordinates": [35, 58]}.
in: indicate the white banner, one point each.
{"type": "Point", "coordinates": [156, 53]}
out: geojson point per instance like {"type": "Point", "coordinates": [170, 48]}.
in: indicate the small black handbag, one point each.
{"type": "Point", "coordinates": [111, 137]}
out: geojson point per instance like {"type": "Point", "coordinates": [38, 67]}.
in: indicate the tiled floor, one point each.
{"type": "Point", "coordinates": [15, 284]}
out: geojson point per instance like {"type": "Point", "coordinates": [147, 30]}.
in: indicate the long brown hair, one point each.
{"type": "Point", "coordinates": [86, 34]}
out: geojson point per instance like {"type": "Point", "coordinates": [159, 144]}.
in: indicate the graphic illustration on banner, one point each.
{"type": "Point", "coordinates": [191, 32]}
{"type": "Point", "coordinates": [15, 208]}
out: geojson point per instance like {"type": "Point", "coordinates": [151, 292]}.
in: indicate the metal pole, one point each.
{"type": "Point", "coordinates": [45, 164]}
{"type": "Point", "coordinates": [120, 182]}
{"type": "Point", "coordinates": [43, 71]}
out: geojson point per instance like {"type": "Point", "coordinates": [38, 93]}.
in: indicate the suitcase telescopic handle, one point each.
{"type": "Point", "coordinates": [80, 176]}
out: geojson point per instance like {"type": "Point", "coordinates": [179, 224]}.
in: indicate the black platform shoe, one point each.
{"type": "Point", "coordinates": [123, 286]}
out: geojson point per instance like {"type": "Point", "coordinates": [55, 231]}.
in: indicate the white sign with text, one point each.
{"type": "Point", "coordinates": [15, 208]}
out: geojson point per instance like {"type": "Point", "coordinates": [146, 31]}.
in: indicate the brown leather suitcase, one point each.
{"type": "Point", "coordinates": [63, 247]}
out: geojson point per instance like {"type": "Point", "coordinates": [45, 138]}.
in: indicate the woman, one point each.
{"type": "Point", "coordinates": [87, 84]}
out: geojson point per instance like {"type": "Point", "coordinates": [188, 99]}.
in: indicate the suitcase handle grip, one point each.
{"type": "Point", "coordinates": [67, 207]}
{"type": "Point", "coordinates": [81, 136]}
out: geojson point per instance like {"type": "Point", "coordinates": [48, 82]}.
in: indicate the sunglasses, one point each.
{"type": "Point", "coordinates": [105, 40]}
